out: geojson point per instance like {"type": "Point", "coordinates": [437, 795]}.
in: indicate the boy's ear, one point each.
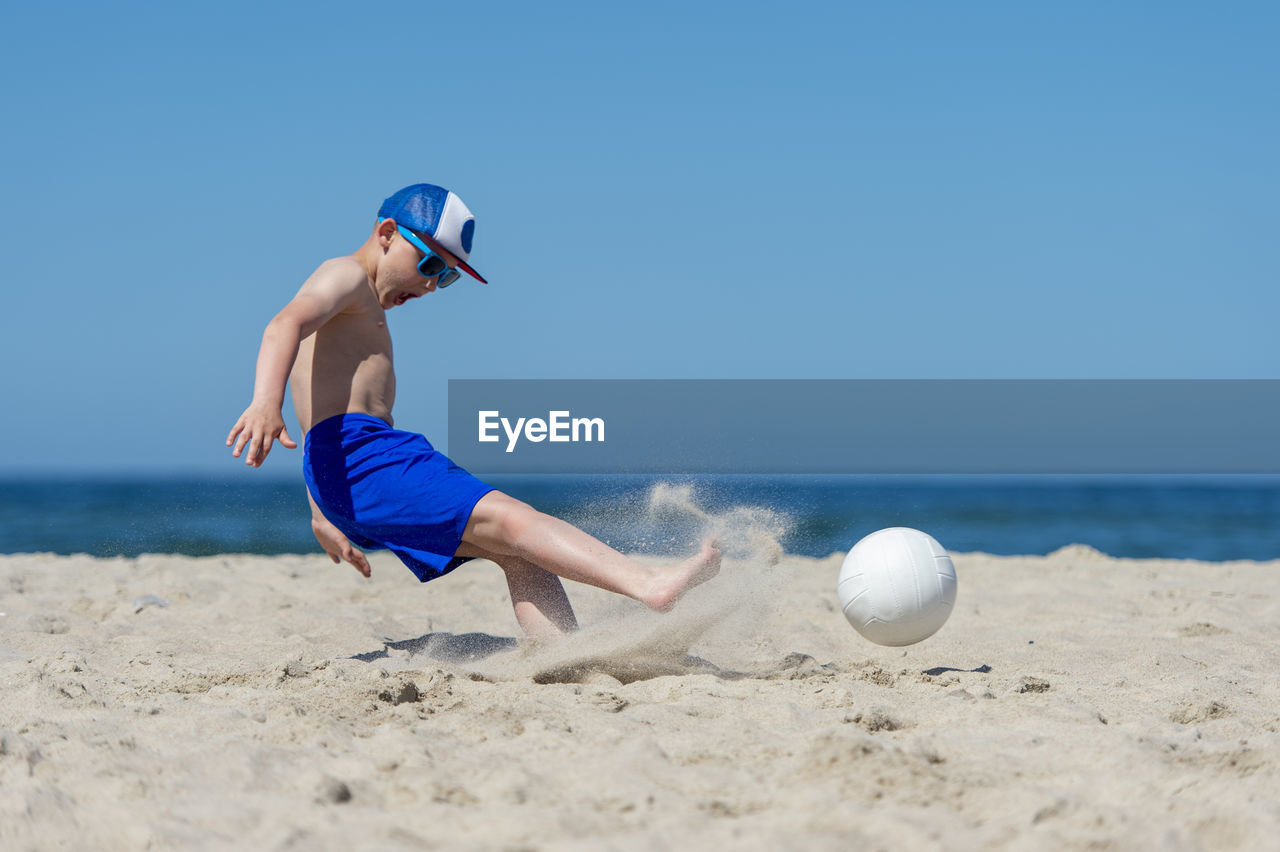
{"type": "Point", "coordinates": [384, 231]}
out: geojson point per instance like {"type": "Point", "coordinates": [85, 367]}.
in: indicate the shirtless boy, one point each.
{"type": "Point", "coordinates": [371, 485]}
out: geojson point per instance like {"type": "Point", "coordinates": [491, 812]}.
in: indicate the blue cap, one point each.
{"type": "Point", "coordinates": [439, 214]}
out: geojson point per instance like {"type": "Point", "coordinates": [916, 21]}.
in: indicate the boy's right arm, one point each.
{"type": "Point", "coordinates": [332, 288]}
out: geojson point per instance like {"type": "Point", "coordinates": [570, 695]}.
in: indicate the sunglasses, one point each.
{"type": "Point", "coordinates": [433, 265]}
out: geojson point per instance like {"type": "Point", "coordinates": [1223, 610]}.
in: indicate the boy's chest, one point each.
{"type": "Point", "coordinates": [362, 334]}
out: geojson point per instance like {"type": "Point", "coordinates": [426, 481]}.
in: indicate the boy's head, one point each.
{"type": "Point", "coordinates": [437, 214]}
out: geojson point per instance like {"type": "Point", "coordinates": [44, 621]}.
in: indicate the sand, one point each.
{"type": "Point", "coordinates": [1072, 701]}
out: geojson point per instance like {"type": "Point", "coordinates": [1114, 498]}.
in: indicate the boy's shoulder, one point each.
{"type": "Point", "coordinates": [338, 278]}
{"type": "Point", "coordinates": [345, 269]}
{"type": "Point", "coordinates": [337, 286]}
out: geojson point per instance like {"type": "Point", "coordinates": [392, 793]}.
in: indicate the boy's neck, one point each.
{"type": "Point", "coordinates": [367, 256]}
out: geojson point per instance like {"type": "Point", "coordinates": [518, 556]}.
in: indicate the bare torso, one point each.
{"type": "Point", "coordinates": [346, 366]}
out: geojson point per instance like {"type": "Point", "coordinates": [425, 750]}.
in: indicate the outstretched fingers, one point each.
{"type": "Point", "coordinates": [245, 435]}
{"type": "Point", "coordinates": [357, 560]}
{"type": "Point", "coordinates": [258, 441]}
{"type": "Point", "coordinates": [240, 434]}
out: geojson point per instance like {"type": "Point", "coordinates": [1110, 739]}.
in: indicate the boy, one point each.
{"type": "Point", "coordinates": [371, 485]}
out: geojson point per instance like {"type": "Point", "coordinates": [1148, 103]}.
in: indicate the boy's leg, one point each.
{"type": "Point", "coordinates": [537, 596]}
{"type": "Point", "coordinates": [542, 608]}
{"type": "Point", "coordinates": [505, 526]}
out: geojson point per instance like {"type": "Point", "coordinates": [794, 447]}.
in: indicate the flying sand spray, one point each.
{"type": "Point", "coordinates": [632, 643]}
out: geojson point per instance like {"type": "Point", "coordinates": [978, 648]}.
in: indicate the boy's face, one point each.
{"type": "Point", "coordinates": [398, 277]}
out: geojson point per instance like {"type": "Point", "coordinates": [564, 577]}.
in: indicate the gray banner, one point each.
{"type": "Point", "coordinates": [1220, 426]}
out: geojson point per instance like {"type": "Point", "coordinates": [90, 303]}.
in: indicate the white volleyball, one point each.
{"type": "Point", "coordinates": [897, 586]}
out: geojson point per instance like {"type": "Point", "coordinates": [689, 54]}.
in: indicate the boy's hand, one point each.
{"type": "Point", "coordinates": [338, 547]}
{"type": "Point", "coordinates": [258, 427]}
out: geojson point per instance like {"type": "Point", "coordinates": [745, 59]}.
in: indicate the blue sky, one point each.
{"type": "Point", "coordinates": [998, 190]}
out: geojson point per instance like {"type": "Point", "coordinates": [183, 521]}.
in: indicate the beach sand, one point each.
{"type": "Point", "coordinates": [1072, 701]}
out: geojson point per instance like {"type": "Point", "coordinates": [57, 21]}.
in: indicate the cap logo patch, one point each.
{"type": "Point", "coordinates": [468, 230]}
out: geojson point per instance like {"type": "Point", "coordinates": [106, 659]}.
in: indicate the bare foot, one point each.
{"type": "Point", "coordinates": [673, 581]}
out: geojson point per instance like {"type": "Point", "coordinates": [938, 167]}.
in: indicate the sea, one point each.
{"type": "Point", "coordinates": [1185, 517]}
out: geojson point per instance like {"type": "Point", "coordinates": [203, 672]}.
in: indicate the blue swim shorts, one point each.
{"type": "Point", "coordinates": [384, 488]}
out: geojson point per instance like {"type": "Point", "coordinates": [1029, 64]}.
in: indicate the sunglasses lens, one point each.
{"type": "Point", "coordinates": [447, 278]}
{"type": "Point", "coordinates": [431, 265]}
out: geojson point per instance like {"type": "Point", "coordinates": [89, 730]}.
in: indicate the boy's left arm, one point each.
{"type": "Point", "coordinates": [337, 545]}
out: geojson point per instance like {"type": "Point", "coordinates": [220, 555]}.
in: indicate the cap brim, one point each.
{"type": "Point", "coordinates": [467, 269]}
{"type": "Point", "coordinates": [462, 264]}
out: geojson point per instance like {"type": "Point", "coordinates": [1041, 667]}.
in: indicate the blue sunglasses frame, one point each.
{"type": "Point", "coordinates": [445, 275]}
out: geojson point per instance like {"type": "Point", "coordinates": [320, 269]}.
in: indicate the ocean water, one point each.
{"type": "Point", "coordinates": [1209, 518]}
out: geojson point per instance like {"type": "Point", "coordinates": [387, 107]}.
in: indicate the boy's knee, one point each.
{"type": "Point", "coordinates": [516, 566]}
{"type": "Point", "coordinates": [515, 521]}
{"type": "Point", "coordinates": [506, 518]}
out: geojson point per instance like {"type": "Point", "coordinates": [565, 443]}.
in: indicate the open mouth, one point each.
{"type": "Point", "coordinates": [403, 297]}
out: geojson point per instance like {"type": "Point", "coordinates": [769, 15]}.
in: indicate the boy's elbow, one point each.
{"type": "Point", "coordinates": [284, 325]}
{"type": "Point", "coordinates": [301, 317]}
